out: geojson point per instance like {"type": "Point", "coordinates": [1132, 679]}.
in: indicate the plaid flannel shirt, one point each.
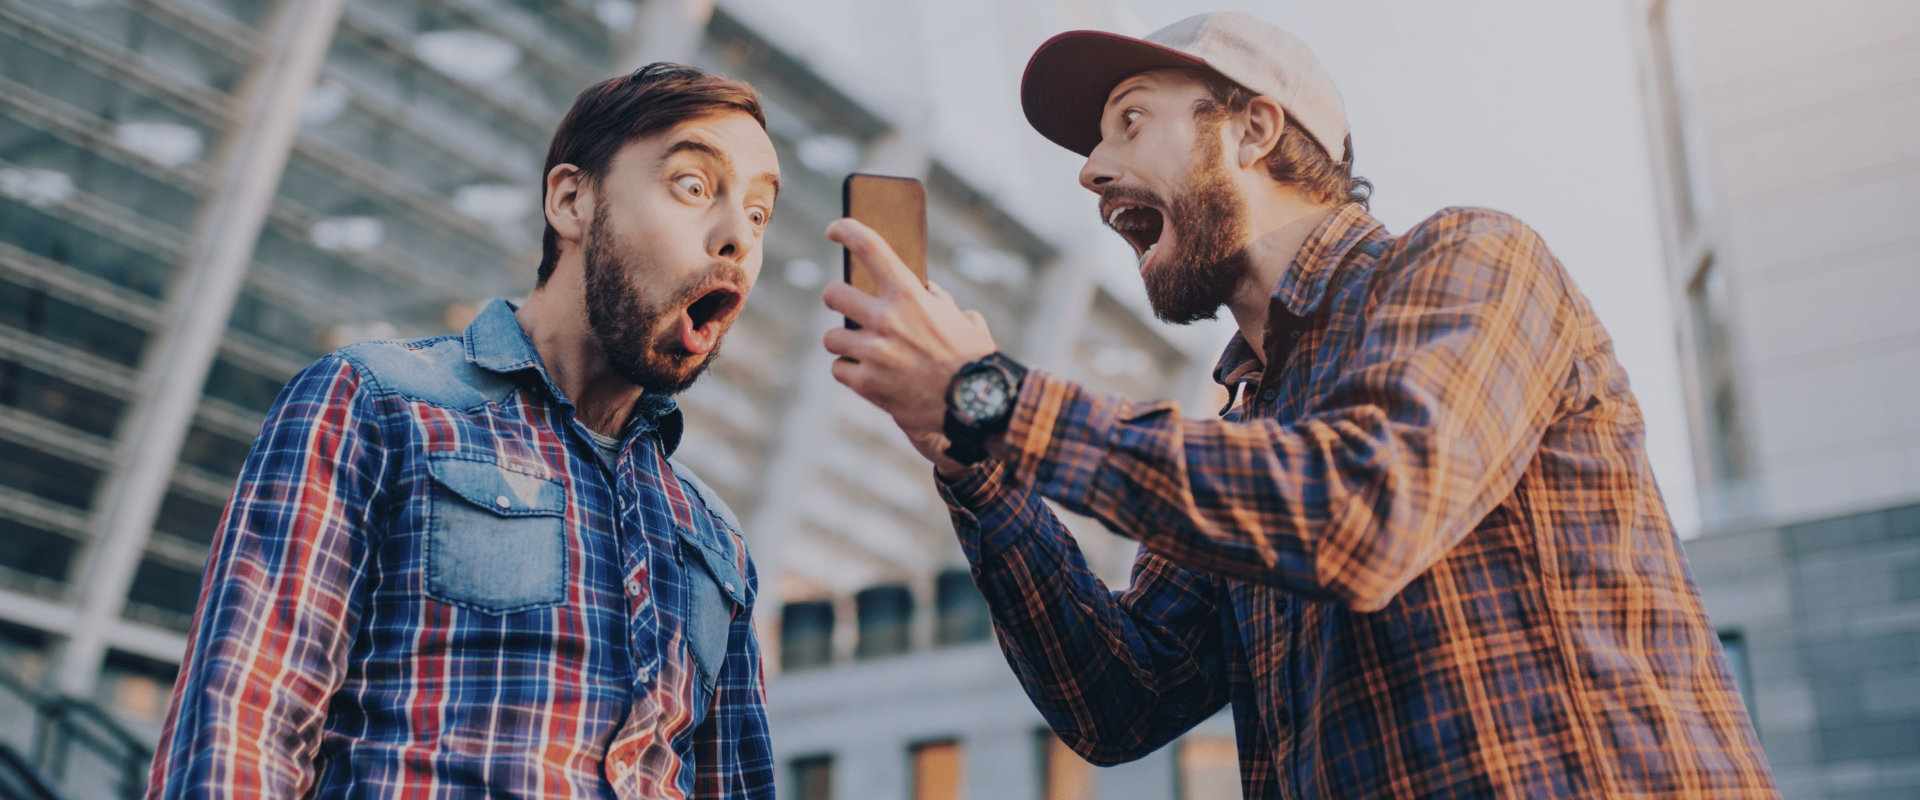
{"type": "Point", "coordinates": [429, 583]}
{"type": "Point", "coordinates": [1425, 555]}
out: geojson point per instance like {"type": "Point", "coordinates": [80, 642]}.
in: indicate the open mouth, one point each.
{"type": "Point", "coordinates": [706, 317]}
{"type": "Point", "coordinates": [1141, 226]}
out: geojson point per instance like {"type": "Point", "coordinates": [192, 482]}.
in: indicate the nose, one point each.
{"type": "Point", "coordinates": [731, 238]}
{"type": "Point", "coordinates": [1099, 170]}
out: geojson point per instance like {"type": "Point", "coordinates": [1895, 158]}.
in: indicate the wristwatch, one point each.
{"type": "Point", "coordinates": [980, 401]}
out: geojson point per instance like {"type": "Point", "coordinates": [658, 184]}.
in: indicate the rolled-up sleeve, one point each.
{"type": "Point", "coordinates": [1464, 362]}
{"type": "Point", "coordinates": [281, 597]}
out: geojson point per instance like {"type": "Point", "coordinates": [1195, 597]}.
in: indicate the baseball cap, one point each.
{"type": "Point", "coordinates": [1068, 79]}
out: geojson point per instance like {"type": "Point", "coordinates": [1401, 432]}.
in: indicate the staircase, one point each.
{"type": "Point", "coordinates": [62, 748]}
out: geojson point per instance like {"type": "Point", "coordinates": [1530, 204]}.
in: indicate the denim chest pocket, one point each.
{"type": "Point", "coordinates": [716, 594]}
{"type": "Point", "coordinates": [496, 539]}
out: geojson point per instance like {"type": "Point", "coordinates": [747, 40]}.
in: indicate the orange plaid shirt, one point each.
{"type": "Point", "coordinates": [1424, 556]}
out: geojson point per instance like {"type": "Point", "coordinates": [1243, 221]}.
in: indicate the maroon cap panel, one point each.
{"type": "Point", "coordinates": [1067, 81]}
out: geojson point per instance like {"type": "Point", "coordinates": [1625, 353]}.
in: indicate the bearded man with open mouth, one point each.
{"type": "Point", "coordinates": [465, 566]}
{"type": "Point", "coordinates": [1420, 552]}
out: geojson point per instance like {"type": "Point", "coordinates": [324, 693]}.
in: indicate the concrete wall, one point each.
{"type": "Point", "coordinates": [867, 715]}
{"type": "Point", "coordinates": [1807, 119]}
{"type": "Point", "coordinates": [1829, 612]}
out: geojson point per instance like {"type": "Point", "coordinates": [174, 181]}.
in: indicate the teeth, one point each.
{"type": "Point", "coordinates": [1113, 217]}
{"type": "Point", "coordinates": [1147, 254]}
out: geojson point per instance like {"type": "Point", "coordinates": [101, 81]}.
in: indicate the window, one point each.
{"type": "Point", "coordinates": [1734, 644]}
{"type": "Point", "coordinates": [1064, 775]}
{"type": "Point", "coordinates": [1726, 458]}
{"type": "Point", "coordinates": [813, 778]}
{"type": "Point", "coordinates": [886, 621]}
{"type": "Point", "coordinates": [1209, 767]}
{"type": "Point", "coordinates": [937, 771]}
{"type": "Point", "coordinates": [1677, 139]}
{"type": "Point", "coordinates": [806, 634]}
{"type": "Point", "coordinates": [962, 612]}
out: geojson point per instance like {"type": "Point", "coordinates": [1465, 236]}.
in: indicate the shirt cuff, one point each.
{"type": "Point", "coordinates": [1059, 435]}
{"type": "Point", "coordinates": [978, 502]}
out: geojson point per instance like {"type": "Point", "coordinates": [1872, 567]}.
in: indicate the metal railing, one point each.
{"type": "Point", "coordinates": [19, 778]}
{"type": "Point", "coordinates": [67, 732]}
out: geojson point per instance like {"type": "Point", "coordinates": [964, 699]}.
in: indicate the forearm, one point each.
{"type": "Point", "coordinates": [1117, 676]}
{"type": "Point", "coordinates": [1414, 432]}
{"type": "Point", "coordinates": [268, 650]}
{"type": "Point", "coordinates": [1347, 505]}
{"type": "Point", "coordinates": [281, 598]}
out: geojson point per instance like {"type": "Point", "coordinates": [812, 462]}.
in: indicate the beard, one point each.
{"type": "Point", "coordinates": [1209, 258]}
{"type": "Point", "coordinates": [638, 330]}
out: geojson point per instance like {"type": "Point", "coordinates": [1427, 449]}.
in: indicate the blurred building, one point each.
{"type": "Point", "coordinates": [199, 197]}
{"type": "Point", "coordinates": [1786, 145]}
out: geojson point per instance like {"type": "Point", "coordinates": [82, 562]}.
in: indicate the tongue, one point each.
{"type": "Point", "coordinates": [699, 340]}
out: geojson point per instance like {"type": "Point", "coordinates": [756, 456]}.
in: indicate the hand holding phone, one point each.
{"type": "Point", "coordinates": [905, 366]}
{"type": "Point", "coordinates": [895, 208]}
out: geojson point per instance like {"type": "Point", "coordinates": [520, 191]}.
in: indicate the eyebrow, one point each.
{"type": "Point", "coordinates": [1121, 96]}
{"type": "Point", "coordinates": [697, 147]}
{"type": "Point", "coordinates": [701, 148]}
{"type": "Point", "coordinates": [771, 179]}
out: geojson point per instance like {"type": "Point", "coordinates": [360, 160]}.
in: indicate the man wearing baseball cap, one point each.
{"type": "Point", "coordinates": [1420, 553]}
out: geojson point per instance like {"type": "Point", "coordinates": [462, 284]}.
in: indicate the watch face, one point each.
{"type": "Point", "coordinates": [981, 396]}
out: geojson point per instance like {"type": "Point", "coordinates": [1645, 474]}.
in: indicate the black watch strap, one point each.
{"type": "Point", "coordinates": [967, 442]}
{"type": "Point", "coordinates": [963, 442]}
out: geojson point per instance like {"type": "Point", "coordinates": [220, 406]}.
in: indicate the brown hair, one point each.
{"type": "Point", "coordinates": [618, 110]}
{"type": "Point", "coordinates": [1298, 160]}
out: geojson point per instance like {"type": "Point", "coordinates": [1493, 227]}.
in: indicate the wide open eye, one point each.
{"type": "Point", "coordinates": [692, 184]}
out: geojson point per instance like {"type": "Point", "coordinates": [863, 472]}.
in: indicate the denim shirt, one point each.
{"type": "Point", "coordinates": [430, 582]}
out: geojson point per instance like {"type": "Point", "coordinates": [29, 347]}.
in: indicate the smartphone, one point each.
{"type": "Point", "coordinates": [896, 208]}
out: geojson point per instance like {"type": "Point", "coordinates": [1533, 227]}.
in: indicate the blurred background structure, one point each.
{"type": "Point", "coordinates": [162, 275]}
{"type": "Point", "coordinates": [1786, 144]}
{"type": "Point", "coordinates": [198, 197]}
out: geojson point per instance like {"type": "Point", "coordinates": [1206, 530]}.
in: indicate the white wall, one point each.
{"type": "Point", "coordinates": [1811, 120]}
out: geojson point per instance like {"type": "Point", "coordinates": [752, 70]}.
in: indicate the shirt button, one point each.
{"type": "Point", "coordinates": [728, 586]}
{"type": "Point", "coordinates": [1267, 395]}
{"type": "Point", "coordinates": [645, 675]}
{"type": "Point", "coordinates": [633, 587]}
{"type": "Point", "coordinates": [503, 502]}
{"type": "Point", "coordinates": [1294, 335]}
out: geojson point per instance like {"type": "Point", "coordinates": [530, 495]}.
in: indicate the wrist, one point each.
{"type": "Point", "coordinates": [981, 398]}
{"type": "Point", "coordinates": [949, 470]}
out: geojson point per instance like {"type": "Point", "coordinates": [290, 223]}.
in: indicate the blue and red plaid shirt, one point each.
{"type": "Point", "coordinates": [1422, 556]}
{"type": "Point", "coordinates": [429, 583]}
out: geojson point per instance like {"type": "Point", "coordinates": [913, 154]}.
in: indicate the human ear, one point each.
{"type": "Point", "coordinates": [569, 208]}
{"type": "Point", "coordinates": [1260, 130]}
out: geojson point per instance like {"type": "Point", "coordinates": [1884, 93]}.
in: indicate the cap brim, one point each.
{"type": "Point", "coordinates": [1067, 81]}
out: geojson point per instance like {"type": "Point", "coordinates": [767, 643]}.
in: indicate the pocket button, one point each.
{"type": "Point", "coordinates": [503, 502]}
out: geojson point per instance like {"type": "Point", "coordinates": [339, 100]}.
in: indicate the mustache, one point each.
{"type": "Point", "coordinates": [1130, 194]}
{"type": "Point", "coordinates": [721, 273]}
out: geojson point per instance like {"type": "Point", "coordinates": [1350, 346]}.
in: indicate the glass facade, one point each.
{"type": "Point", "coordinates": [1064, 775]}
{"type": "Point", "coordinates": [410, 196]}
{"type": "Point", "coordinates": [1208, 767]}
{"type": "Point", "coordinates": [938, 771]}
{"type": "Point", "coordinates": [813, 778]}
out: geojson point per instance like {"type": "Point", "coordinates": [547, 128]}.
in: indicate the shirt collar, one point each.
{"type": "Point", "coordinates": [495, 342]}
{"type": "Point", "coordinates": [1304, 286]}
